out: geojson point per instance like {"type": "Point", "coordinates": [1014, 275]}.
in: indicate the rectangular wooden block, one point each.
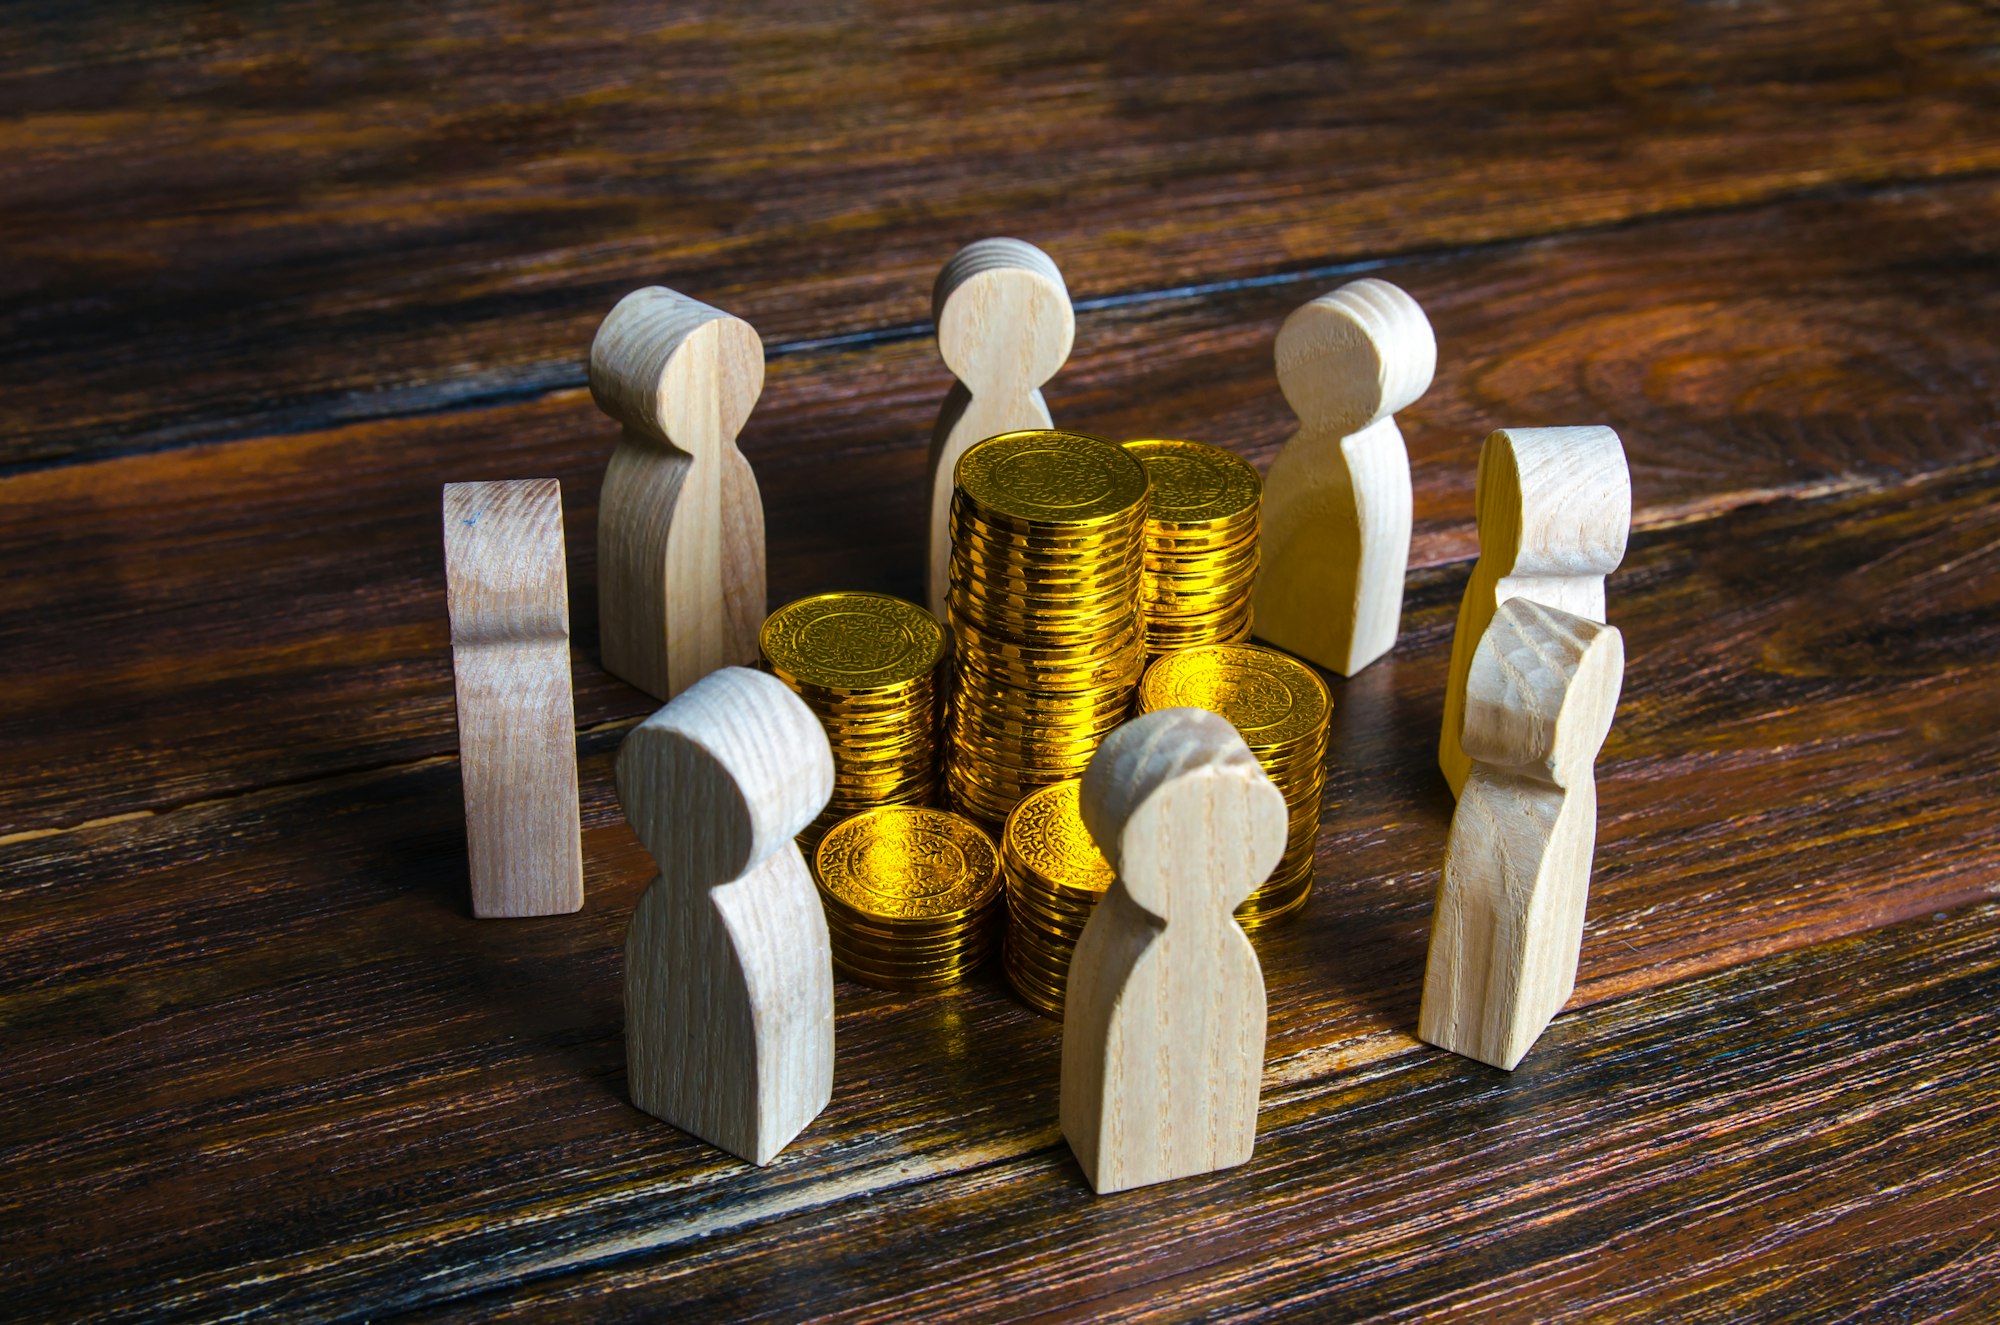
{"type": "Point", "coordinates": [509, 602]}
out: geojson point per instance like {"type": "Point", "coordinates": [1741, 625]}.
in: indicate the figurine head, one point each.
{"type": "Point", "coordinates": [1541, 692]}
{"type": "Point", "coordinates": [1356, 356]}
{"type": "Point", "coordinates": [1003, 315]}
{"type": "Point", "coordinates": [724, 775]}
{"type": "Point", "coordinates": [677, 370]}
{"type": "Point", "coordinates": [1183, 813]}
{"type": "Point", "coordinates": [1554, 501]}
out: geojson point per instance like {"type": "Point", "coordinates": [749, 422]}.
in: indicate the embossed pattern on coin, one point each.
{"type": "Point", "coordinates": [1281, 708]}
{"type": "Point", "coordinates": [1055, 878]}
{"type": "Point", "coordinates": [911, 896]}
{"type": "Point", "coordinates": [1051, 477]}
{"type": "Point", "coordinates": [852, 640]}
{"type": "Point", "coordinates": [1203, 515]}
{"type": "Point", "coordinates": [1270, 698]}
{"type": "Point", "coordinates": [1046, 632]}
{"type": "Point", "coordinates": [870, 667]}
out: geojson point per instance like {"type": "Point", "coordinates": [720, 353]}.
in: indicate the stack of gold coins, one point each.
{"type": "Point", "coordinates": [912, 896]}
{"type": "Point", "coordinates": [1047, 532]}
{"type": "Point", "coordinates": [1201, 544]}
{"type": "Point", "coordinates": [1281, 707]}
{"type": "Point", "coordinates": [868, 665]}
{"type": "Point", "coordinates": [1055, 877]}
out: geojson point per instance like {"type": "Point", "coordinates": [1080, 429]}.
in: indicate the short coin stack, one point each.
{"type": "Point", "coordinates": [1201, 544]}
{"type": "Point", "coordinates": [1281, 708]}
{"type": "Point", "coordinates": [1047, 533]}
{"type": "Point", "coordinates": [912, 896]}
{"type": "Point", "coordinates": [868, 665]}
{"type": "Point", "coordinates": [1055, 878]}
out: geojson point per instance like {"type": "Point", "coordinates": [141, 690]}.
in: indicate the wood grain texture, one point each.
{"type": "Point", "coordinates": [220, 222]}
{"type": "Point", "coordinates": [280, 1023]}
{"type": "Point", "coordinates": [1163, 1018]}
{"type": "Point", "coordinates": [507, 589]}
{"type": "Point", "coordinates": [728, 976]}
{"type": "Point", "coordinates": [1337, 505]}
{"type": "Point", "coordinates": [1555, 511]}
{"type": "Point", "coordinates": [680, 531]}
{"type": "Point", "coordinates": [1649, 1168]}
{"type": "Point", "coordinates": [1004, 328]}
{"type": "Point", "coordinates": [176, 599]}
{"type": "Point", "coordinates": [1511, 897]}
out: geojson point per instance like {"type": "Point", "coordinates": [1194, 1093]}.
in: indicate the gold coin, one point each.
{"type": "Point", "coordinates": [852, 641]}
{"type": "Point", "coordinates": [1047, 835]}
{"type": "Point", "coordinates": [903, 862]}
{"type": "Point", "coordinates": [1272, 699]}
{"type": "Point", "coordinates": [1047, 477]}
{"type": "Point", "coordinates": [1193, 483]}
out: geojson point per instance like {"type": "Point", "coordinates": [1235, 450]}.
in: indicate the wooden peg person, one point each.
{"type": "Point", "coordinates": [1336, 538]}
{"type": "Point", "coordinates": [1509, 918]}
{"type": "Point", "coordinates": [507, 591]}
{"type": "Point", "coordinates": [728, 976]}
{"type": "Point", "coordinates": [680, 524]}
{"type": "Point", "coordinates": [1554, 510]}
{"type": "Point", "coordinates": [1163, 1023]}
{"type": "Point", "coordinates": [1004, 326]}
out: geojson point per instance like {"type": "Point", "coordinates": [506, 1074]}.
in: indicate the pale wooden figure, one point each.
{"type": "Point", "coordinates": [728, 977]}
{"type": "Point", "coordinates": [680, 524]}
{"type": "Point", "coordinates": [1336, 538]}
{"type": "Point", "coordinates": [1004, 326]}
{"type": "Point", "coordinates": [1509, 918]}
{"type": "Point", "coordinates": [1163, 1024]}
{"type": "Point", "coordinates": [507, 591]}
{"type": "Point", "coordinates": [1555, 509]}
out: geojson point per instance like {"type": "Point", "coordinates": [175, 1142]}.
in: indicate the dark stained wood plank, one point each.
{"type": "Point", "coordinates": [1813, 1137]}
{"type": "Point", "coordinates": [220, 221]}
{"type": "Point", "coordinates": [260, 1059]}
{"type": "Point", "coordinates": [193, 624]}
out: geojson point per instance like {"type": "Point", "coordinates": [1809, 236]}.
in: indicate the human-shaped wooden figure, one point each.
{"type": "Point", "coordinates": [1555, 509]}
{"type": "Point", "coordinates": [1163, 1023]}
{"type": "Point", "coordinates": [1336, 538]}
{"type": "Point", "coordinates": [1004, 327]}
{"type": "Point", "coordinates": [507, 590]}
{"type": "Point", "coordinates": [1509, 918]}
{"type": "Point", "coordinates": [728, 976]}
{"type": "Point", "coordinates": [680, 524]}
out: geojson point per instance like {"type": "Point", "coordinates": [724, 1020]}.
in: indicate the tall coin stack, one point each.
{"type": "Point", "coordinates": [912, 896]}
{"type": "Point", "coordinates": [1055, 878]}
{"type": "Point", "coordinates": [1202, 522]}
{"type": "Point", "coordinates": [1047, 533]}
{"type": "Point", "coordinates": [1281, 708]}
{"type": "Point", "coordinates": [867, 665]}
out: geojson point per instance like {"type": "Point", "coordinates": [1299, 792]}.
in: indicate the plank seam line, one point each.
{"type": "Point", "coordinates": [1419, 576]}
{"type": "Point", "coordinates": [1394, 1051]}
{"type": "Point", "coordinates": [539, 382]}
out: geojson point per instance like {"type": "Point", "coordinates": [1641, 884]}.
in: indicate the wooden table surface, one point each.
{"type": "Point", "coordinates": [275, 273]}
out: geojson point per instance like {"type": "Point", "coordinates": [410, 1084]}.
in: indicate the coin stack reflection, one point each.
{"type": "Point", "coordinates": [912, 896]}
{"type": "Point", "coordinates": [1281, 708]}
{"type": "Point", "coordinates": [1201, 543]}
{"type": "Point", "coordinates": [868, 665]}
{"type": "Point", "coordinates": [1055, 878]}
{"type": "Point", "coordinates": [1047, 533]}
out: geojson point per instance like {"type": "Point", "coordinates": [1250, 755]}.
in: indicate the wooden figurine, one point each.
{"type": "Point", "coordinates": [1336, 538]}
{"type": "Point", "coordinates": [1163, 1024]}
{"type": "Point", "coordinates": [507, 591]}
{"type": "Point", "coordinates": [1509, 918]}
{"type": "Point", "coordinates": [728, 977]}
{"type": "Point", "coordinates": [1554, 509]}
{"type": "Point", "coordinates": [680, 525]}
{"type": "Point", "coordinates": [1004, 326]}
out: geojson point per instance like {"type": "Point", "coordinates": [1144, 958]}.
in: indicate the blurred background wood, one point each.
{"type": "Point", "coordinates": [276, 274]}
